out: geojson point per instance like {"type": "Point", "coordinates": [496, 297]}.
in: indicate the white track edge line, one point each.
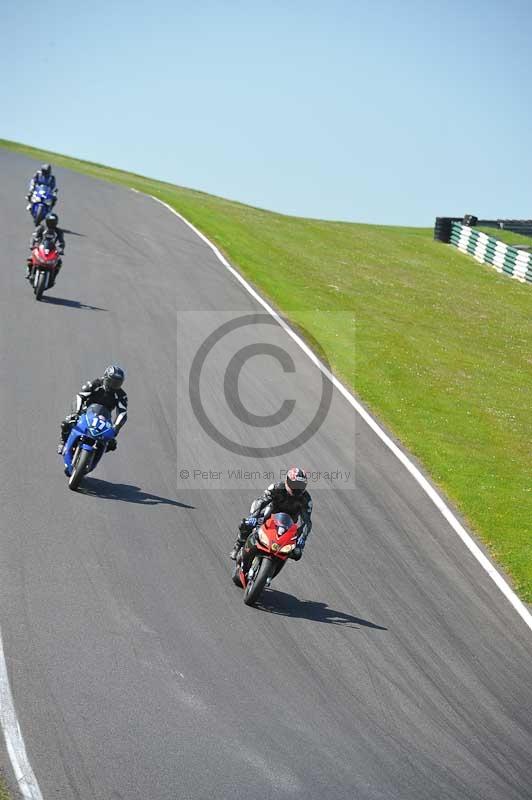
{"type": "Point", "coordinates": [26, 780]}
{"type": "Point", "coordinates": [440, 504]}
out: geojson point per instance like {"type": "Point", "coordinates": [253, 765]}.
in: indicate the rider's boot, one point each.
{"type": "Point", "coordinates": [65, 431]}
{"type": "Point", "coordinates": [236, 547]}
{"type": "Point", "coordinates": [239, 543]}
{"type": "Point", "coordinates": [244, 529]}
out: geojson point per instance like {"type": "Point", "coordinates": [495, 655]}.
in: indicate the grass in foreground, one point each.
{"type": "Point", "coordinates": [3, 790]}
{"type": "Point", "coordinates": [436, 345]}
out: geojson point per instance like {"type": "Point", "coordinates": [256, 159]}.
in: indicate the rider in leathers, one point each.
{"type": "Point", "coordinates": [289, 497]}
{"type": "Point", "coordinates": [49, 231]}
{"type": "Point", "coordinates": [43, 177]}
{"type": "Point", "coordinates": [108, 392]}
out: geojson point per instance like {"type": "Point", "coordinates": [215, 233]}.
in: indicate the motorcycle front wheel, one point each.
{"type": "Point", "coordinates": [81, 465]}
{"type": "Point", "coordinates": [40, 283]}
{"type": "Point", "coordinates": [258, 582]}
{"type": "Point", "coordinates": [40, 215]}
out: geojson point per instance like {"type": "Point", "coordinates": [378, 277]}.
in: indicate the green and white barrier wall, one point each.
{"type": "Point", "coordinates": [485, 249]}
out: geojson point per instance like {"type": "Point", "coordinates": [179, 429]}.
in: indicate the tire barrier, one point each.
{"type": "Point", "coordinates": [442, 228]}
{"type": "Point", "coordinates": [488, 250]}
{"type": "Point", "coordinates": [522, 226]}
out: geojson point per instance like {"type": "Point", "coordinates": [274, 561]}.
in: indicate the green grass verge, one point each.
{"type": "Point", "coordinates": [505, 236]}
{"type": "Point", "coordinates": [3, 790]}
{"type": "Point", "coordinates": [436, 345]}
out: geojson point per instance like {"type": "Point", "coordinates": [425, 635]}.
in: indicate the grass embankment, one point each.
{"type": "Point", "coordinates": [505, 236]}
{"type": "Point", "coordinates": [438, 346]}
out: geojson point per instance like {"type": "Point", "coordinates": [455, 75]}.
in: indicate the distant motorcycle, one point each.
{"type": "Point", "coordinates": [87, 442]}
{"type": "Point", "coordinates": [264, 554]}
{"type": "Point", "coordinates": [42, 201]}
{"type": "Point", "coordinates": [44, 262]}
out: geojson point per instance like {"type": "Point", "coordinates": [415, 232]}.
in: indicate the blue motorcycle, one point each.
{"type": "Point", "coordinates": [87, 442]}
{"type": "Point", "coordinates": [42, 201]}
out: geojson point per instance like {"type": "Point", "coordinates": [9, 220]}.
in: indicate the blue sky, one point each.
{"type": "Point", "coordinates": [384, 111]}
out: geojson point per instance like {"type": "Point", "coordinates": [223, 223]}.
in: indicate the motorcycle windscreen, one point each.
{"type": "Point", "coordinates": [98, 419]}
{"type": "Point", "coordinates": [282, 522]}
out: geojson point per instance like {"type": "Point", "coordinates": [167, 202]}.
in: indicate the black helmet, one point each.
{"type": "Point", "coordinates": [113, 378]}
{"type": "Point", "coordinates": [51, 220]}
{"type": "Point", "coordinates": [296, 481]}
{"type": "Point", "coordinates": [46, 169]}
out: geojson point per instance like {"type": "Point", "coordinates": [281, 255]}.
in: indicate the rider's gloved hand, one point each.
{"type": "Point", "coordinates": [248, 524]}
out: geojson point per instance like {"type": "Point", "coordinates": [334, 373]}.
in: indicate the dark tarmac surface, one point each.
{"type": "Point", "coordinates": [385, 665]}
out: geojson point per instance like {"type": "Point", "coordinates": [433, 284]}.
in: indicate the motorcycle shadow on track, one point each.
{"type": "Point", "coordinates": [62, 301]}
{"type": "Point", "coordinates": [286, 605]}
{"type": "Point", "coordinates": [93, 487]}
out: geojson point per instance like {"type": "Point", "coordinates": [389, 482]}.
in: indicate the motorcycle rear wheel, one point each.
{"type": "Point", "coordinates": [235, 574]}
{"type": "Point", "coordinates": [257, 584]}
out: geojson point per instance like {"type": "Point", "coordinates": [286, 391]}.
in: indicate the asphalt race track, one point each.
{"type": "Point", "coordinates": [385, 665]}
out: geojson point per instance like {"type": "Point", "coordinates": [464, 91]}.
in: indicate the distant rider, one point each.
{"type": "Point", "coordinates": [43, 177]}
{"type": "Point", "coordinates": [48, 231]}
{"type": "Point", "coordinates": [289, 497]}
{"type": "Point", "coordinates": [108, 392]}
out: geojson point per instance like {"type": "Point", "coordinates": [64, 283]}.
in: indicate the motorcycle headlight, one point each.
{"type": "Point", "coordinates": [287, 548]}
{"type": "Point", "coordinates": [263, 539]}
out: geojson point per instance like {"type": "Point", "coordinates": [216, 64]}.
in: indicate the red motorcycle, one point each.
{"type": "Point", "coordinates": [264, 554]}
{"type": "Point", "coordinates": [43, 264]}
